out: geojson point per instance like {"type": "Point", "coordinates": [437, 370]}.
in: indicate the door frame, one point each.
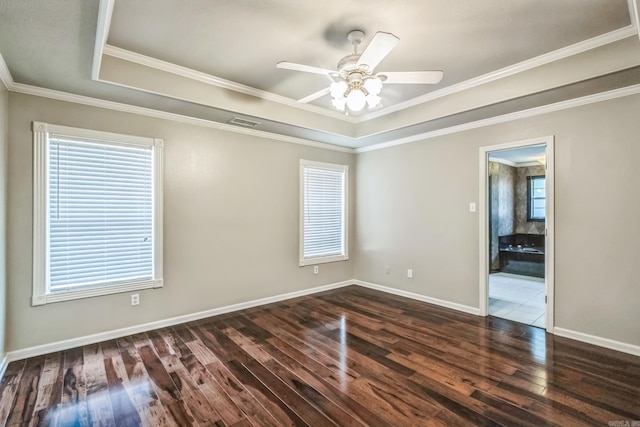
{"type": "Point", "coordinates": [549, 267]}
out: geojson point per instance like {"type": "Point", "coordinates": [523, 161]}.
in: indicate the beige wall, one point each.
{"type": "Point", "coordinates": [412, 205]}
{"type": "Point", "coordinates": [4, 126]}
{"type": "Point", "coordinates": [231, 219]}
{"type": "Point", "coordinates": [230, 223]}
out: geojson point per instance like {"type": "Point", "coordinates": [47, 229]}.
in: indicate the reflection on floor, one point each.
{"type": "Point", "coordinates": [517, 298]}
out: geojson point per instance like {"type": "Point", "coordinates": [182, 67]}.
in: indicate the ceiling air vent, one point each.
{"type": "Point", "coordinates": [243, 122]}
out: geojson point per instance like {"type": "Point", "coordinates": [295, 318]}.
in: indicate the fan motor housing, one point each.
{"type": "Point", "coordinates": [349, 64]}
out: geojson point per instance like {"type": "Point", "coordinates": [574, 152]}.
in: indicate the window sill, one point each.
{"type": "Point", "coordinates": [323, 260]}
{"type": "Point", "coordinates": [94, 292]}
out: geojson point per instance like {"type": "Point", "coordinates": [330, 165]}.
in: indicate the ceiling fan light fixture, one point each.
{"type": "Point", "coordinates": [356, 100]}
{"type": "Point", "coordinates": [373, 100]}
{"type": "Point", "coordinates": [340, 103]}
{"type": "Point", "coordinates": [358, 85]}
{"type": "Point", "coordinates": [355, 94]}
{"type": "Point", "coordinates": [373, 85]}
{"type": "Point", "coordinates": [338, 89]}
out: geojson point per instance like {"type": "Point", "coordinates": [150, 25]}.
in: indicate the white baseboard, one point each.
{"type": "Point", "coordinates": [119, 333]}
{"type": "Point", "coordinates": [419, 297]}
{"type": "Point", "coordinates": [599, 341]}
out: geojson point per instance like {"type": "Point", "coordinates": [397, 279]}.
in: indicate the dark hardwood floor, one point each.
{"type": "Point", "coordinates": [348, 357]}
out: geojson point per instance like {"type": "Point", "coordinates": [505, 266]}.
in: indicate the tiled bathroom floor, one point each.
{"type": "Point", "coordinates": [517, 298]}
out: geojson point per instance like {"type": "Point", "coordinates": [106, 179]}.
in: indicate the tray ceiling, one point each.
{"type": "Point", "coordinates": [214, 60]}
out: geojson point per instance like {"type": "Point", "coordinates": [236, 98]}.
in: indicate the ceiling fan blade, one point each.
{"type": "Point", "coordinates": [378, 49]}
{"type": "Point", "coordinates": [314, 96]}
{"type": "Point", "coordinates": [411, 77]}
{"type": "Point", "coordinates": [305, 68]}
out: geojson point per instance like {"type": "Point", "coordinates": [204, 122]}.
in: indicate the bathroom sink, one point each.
{"type": "Point", "coordinates": [532, 250]}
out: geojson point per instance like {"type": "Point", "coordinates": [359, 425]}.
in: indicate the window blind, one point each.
{"type": "Point", "coordinates": [323, 212]}
{"type": "Point", "coordinates": [536, 198]}
{"type": "Point", "coordinates": [100, 213]}
{"type": "Point", "coordinates": [538, 202]}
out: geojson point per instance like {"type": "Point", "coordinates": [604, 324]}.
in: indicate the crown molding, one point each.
{"type": "Point", "coordinates": [7, 79]}
{"type": "Point", "coordinates": [556, 55]}
{"type": "Point", "coordinates": [102, 33]}
{"type": "Point", "coordinates": [529, 164]}
{"type": "Point", "coordinates": [189, 73]}
{"type": "Point", "coordinates": [5, 74]}
{"type": "Point", "coordinates": [634, 12]}
{"type": "Point", "coordinates": [558, 106]}
{"type": "Point", "coordinates": [94, 102]}
{"type": "Point", "coordinates": [515, 164]}
{"type": "Point", "coordinates": [117, 106]}
{"type": "Point", "coordinates": [504, 162]}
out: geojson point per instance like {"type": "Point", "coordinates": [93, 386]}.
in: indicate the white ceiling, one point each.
{"type": "Point", "coordinates": [215, 59]}
{"type": "Point", "coordinates": [518, 156]}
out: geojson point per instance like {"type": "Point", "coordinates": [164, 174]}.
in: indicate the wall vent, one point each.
{"type": "Point", "coordinates": [243, 122]}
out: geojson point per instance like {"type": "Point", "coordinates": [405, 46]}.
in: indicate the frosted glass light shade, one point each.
{"type": "Point", "coordinates": [373, 85]}
{"type": "Point", "coordinates": [339, 103]}
{"type": "Point", "coordinates": [356, 100]}
{"type": "Point", "coordinates": [337, 89]}
{"type": "Point", "coordinates": [373, 100]}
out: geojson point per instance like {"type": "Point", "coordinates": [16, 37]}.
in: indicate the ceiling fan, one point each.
{"type": "Point", "coordinates": [354, 82]}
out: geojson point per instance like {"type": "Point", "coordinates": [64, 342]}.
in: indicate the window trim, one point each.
{"type": "Point", "coordinates": [41, 131]}
{"type": "Point", "coordinates": [345, 213]}
{"type": "Point", "coordinates": [530, 199]}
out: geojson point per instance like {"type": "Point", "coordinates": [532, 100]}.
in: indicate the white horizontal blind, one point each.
{"type": "Point", "coordinates": [100, 213]}
{"type": "Point", "coordinates": [323, 212]}
{"type": "Point", "coordinates": [537, 197]}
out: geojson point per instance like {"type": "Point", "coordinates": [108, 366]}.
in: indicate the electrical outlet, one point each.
{"type": "Point", "coordinates": [410, 273]}
{"type": "Point", "coordinates": [135, 299]}
{"type": "Point", "coordinates": [387, 269]}
{"type": "Point", "coordinates": [316, 269]}
{"type": "Point", "coordinates": [472, 207]}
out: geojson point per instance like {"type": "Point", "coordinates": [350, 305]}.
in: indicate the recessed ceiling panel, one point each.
{"type": "Point", "coordinates": [242, 40]}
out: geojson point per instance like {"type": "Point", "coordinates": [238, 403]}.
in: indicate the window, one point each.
{"type": "Point", "coordinates": [97, 213]}
{"type": "Point", "coordinates": [323, 212]}
{"type": "Point", "coordinates": [536, 202]}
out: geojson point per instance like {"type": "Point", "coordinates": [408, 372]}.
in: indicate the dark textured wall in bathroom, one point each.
{"type": "Point", "coordinates": [509, 204]}
{"type": "Point", "coordinates": [503, 179]}
{"type": "Point", "coordinates": [520, 201]}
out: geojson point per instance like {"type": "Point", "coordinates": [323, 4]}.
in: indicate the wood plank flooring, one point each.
{"type": "Point", "coordinates": [348, 357]}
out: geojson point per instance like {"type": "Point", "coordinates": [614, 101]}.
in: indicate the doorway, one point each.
{"type": "Point", "coordinates": [516, 232]}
